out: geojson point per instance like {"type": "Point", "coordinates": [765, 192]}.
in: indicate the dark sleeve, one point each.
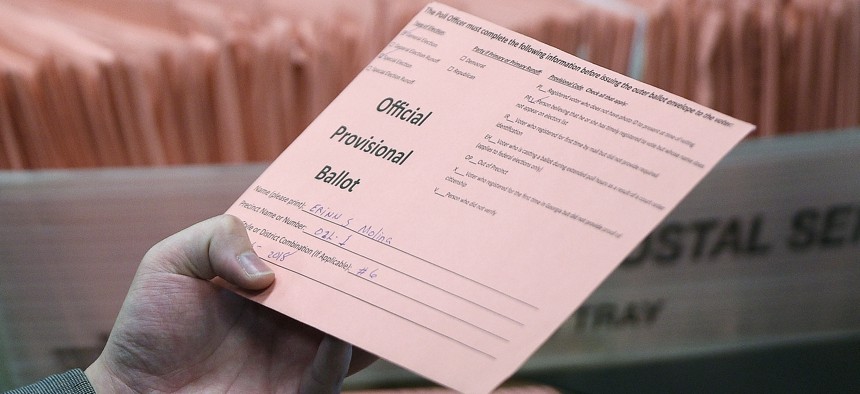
{"type": "Point", "coordinates": [71, 382]}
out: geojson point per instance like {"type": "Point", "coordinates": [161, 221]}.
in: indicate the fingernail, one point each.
{"type": "Point", "coordinates": [252, 265]}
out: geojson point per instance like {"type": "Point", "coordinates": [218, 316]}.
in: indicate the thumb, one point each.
{"type": "Point", "coordinates": [215, 247]}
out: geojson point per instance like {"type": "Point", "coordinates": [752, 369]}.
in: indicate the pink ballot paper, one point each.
{"type": "Point", "coordinates": [467, 191]}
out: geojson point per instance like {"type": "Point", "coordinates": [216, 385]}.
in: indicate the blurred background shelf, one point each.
{"type": "Point", "coordinates": [772, 284]}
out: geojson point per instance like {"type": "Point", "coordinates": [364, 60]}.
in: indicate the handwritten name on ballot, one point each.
{"type": "Point", "coordinates": [453, 236]}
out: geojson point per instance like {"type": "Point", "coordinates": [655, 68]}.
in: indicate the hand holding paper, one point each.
{"type": "Point", "coordinates": [466, 192]}
{"type": "Point", "coordinates": [179, 331]}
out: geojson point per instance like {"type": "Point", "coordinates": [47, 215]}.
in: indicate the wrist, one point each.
{"type": "Point", "coordinates": [103, 379]}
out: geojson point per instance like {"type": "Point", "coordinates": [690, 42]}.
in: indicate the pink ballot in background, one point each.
{"type": "Point", "coordinates": [467, 191]}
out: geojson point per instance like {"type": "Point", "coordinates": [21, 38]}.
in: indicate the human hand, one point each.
{"type": "Point", "coordinates": [179, 332]}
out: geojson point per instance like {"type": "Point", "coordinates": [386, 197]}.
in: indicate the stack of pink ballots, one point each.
{"type": "Point", "coordinates": [105, 83]}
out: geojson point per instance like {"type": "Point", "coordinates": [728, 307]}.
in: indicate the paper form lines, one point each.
{"type": "Point", "coordinates": [488, 287]}
{"type": "Point", "coordinates": [497, 313]}
{"type": "Point", "coordinates": [455, 340]}
{"type": "Point", "coordinates": [435, 308]}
